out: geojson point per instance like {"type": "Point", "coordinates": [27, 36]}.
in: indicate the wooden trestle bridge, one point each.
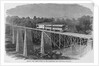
{"type": "Point", "coordinates": [25, 38]}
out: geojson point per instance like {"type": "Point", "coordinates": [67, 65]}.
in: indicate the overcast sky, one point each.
{"type": "Point", "coordinates": [12, 5]}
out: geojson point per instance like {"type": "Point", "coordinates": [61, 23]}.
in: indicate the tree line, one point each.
{"type": "Point", "coordinates": [81, 25]}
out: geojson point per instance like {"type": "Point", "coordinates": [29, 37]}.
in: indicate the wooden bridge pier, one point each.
{"type": "Point", "coordinates": [25, 43]}
{"type": "Point", "coordinates": [13, 35]}
{"type": "Point", "coordinates": [17, 41]}
{"type": "Point", "coordinates": [42, 42]}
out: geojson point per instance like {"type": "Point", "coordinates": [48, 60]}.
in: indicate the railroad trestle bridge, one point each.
{"type": "Point", "coordinates": [25, 38]}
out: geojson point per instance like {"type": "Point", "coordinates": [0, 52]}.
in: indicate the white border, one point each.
{"type": "Point", "coordinates": [51, 63]}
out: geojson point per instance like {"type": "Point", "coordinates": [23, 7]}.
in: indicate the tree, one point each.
{"type": "Point", "coordinates": [34, 18]}
{"type": "Point", "coordinates": [84, 26]}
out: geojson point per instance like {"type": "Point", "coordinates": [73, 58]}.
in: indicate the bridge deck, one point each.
{"type": "Point", "coordinates": [62, 33]}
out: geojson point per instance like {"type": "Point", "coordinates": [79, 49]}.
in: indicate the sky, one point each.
{"type": "Point", "coordinates": [13, 5]}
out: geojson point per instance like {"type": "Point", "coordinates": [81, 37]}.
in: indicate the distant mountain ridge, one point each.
{"type": "Point", "coordinates": [50, 10]}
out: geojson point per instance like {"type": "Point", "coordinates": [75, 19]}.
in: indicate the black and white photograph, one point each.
{"type": "Point", "coordinates": [49, 32]}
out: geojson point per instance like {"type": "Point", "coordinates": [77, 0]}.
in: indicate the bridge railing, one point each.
{"type": "Point", "coordinates": [28, 39]}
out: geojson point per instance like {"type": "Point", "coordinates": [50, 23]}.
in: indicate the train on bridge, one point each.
{"type": "Point", "coordinates": [55, 27]}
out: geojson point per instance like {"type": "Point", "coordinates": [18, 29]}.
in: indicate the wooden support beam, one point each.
{"type": "Point", "coordinates": [25, 43]}
{"type": "Point", "coordinates": [47, 42]}
{"type": "Point", "coordinates": [54, 40]}
{"type": "Point", "coordinates": [50, 41]}
{"type": "Point", "coordinates": [70, 41]}
{"type": "Point", "coordinates": [42, 42]}
{"type": "Point", "coordinates": [67, 40]}
{"type": "Point", "coordinates": [74, 40]}
{"type": "Point", "coordinates": [59, 41]}
{"type": "Point", "coordinates": [13, 36]}
{"type": "Point", "coordinates": [64, 41]}
{"type": "Point", "coordinates": [17, 41]}
{"type": "Point", "coordinates": [80, 45]}
{"type": "Point", "coordinates": [77, 41]}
